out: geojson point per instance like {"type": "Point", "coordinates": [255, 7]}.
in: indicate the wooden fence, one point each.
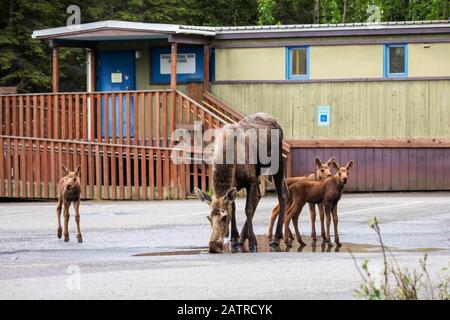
{"type": "Point", "coordinates": [121, 140]}
{"type": "Point", "coordinates": [385, 165]}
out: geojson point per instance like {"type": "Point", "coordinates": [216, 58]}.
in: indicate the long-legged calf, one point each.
{"type": "Point", "coordinates": [323, 170]}
{"type": "Point", "coordinates": [328, 191]}
{"type": "Point", "coordinates": [69, 191]}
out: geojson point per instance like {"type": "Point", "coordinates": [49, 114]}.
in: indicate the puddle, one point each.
{"type": "Point", "coordinates": [311, 246]}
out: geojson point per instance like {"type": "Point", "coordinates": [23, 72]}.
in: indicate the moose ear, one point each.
{"type": "Point", "coordinates": [65, 170]}
{"type": "Point", "coordinates": [78, 171]}
{"type": "Point", "coordinates": [318, 162]}
{"type": "Point", "coordinates": [335, 165]}
{"type": "Point", "coordinates": [330, 162]}
{"type": "Point", "coordinates": [231, 194]}
{"type": "Point", "coordinates": [203, 197]}
{"type": "Point", "coordinates": [350, 164]}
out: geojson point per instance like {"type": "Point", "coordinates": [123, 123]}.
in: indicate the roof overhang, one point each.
{"type": "Point", "coordinates": [124, 30]}
{"type": "Point", "coordinates": [117, 30]}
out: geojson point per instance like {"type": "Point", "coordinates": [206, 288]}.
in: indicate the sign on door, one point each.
{"type": "Point", "coordinates": [185, 63]}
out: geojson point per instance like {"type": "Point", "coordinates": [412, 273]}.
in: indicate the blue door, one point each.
{"type": "Point", "coordinates": [116, 72]}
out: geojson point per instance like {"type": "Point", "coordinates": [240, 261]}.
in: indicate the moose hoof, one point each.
{"type": "Point", "coordinates": [252, 248]}
{"type": "Point", "coordinates": [80, 239]}
{"type": "Point", "coordinates": [301, 242]}
{"type": "Point", "coordinates": [59, 233]}
{"type": "Point", "coordinates": [338, 244]}
{"type": "Point", "coordinates": [240, 243]}
{"type": "Point", "coordinates": [66, 239]}
{"type": "Point", "coordinates": [288, 243]}
{"type": "Point", "coordinates": [234, 244]}
{"type": "Point", "coordinates": [274, 244]}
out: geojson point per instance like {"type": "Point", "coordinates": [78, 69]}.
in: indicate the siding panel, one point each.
{"type": "Point", "coordinates": [383, 169]}
{"type": "Point", "coordinates": [364, 110]}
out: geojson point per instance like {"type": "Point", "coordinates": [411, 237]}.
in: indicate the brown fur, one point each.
{"type": "Point", "coordinates": [323, 171]}
{"type": "Point", "coordinates": [328, 192]}
{"type": "Point", "coordinates": [69, 191]}
{"type": "Point", "coordinates": [229, 178]}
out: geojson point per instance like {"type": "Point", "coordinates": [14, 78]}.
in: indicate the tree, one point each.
{"type": "Point", "coordinates": [294, 11]}
{"type": "Point", "coordinates": [265, 12]}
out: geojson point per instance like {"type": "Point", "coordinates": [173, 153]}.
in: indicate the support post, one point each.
{"type": "Point", "coordinates": [89, 88]}
{"type": "Point", "coordinates": [173, 66]}
{"type": "Point", "coordinates": [206, 63]}
{"type": "Point", "coordinates": [55, 68]}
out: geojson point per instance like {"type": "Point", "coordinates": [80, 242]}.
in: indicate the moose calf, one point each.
{"type": "Point", "coordinates": [69, 191]}
{"type": "Point", "coordinates": [323, 171]}
{"type": "Point", "coordinates": [328, 192]}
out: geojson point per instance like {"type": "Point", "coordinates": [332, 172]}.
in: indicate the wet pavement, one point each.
{"type": "Point", "coordinates": [157, 250]}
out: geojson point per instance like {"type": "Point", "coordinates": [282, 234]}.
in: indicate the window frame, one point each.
{"type": "Point", "coordinates": [289, 75]}
{"type": "Point", "coordinates": [387, 73]}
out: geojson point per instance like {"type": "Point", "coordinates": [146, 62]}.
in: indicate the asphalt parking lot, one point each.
{"type": "Point", "coordinates": [154, 250]}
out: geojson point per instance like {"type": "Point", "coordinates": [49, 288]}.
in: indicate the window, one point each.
{"type": "Point", "coordinates": [396, 61]}
{"type": "Point", "coordinates": [297, 59]}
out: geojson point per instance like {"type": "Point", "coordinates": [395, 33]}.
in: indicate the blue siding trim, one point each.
{"type": "Point", "coordinates": [212, 65]}
{"type": "Point", "coordinates": [289, 75]}
{"type": "Point", "coordinates": [386, 72]}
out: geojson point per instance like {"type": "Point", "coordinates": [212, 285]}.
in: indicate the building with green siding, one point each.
{"type": "Point", "coordinates": [378, 93]}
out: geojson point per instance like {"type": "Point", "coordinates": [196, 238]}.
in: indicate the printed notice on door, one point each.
{"type": "Point", "coordinates": [116, 77]}
{"type": "Point", "coordinates": [185, 63]}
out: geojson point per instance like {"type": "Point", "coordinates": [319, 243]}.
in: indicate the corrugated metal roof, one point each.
{"type": "Point", "coordinates": [339, 26]}
{"type": "Point", "coordinates": [212, 31]}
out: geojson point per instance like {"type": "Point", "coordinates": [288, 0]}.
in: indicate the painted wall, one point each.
{"type": "Point", "coordinates": [359, 110]}
{"type": "Point", "coordinates": [429, 62]}
{"type": "Point", "coordinates": [250, 64]}
{"type": "Point", "coordinates": [328, 61]}
{"type": "Point", "coordinates": [383, 169]}
{"type": "Point", "coordinates": [346, 62]}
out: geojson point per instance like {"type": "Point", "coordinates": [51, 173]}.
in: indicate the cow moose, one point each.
{"type": "Point", "coordinates": [231, 176]}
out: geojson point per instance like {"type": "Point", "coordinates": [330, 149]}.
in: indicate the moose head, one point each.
{"type": "Point", "coordinates": [220, 213]}
{"type": "Point", "coordinates": [343, 172]}
{"type": "Point", "coordinates": [71, 178]}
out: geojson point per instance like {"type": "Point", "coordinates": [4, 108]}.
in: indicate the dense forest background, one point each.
{"type": "Point", "coordinates": [25, 62]}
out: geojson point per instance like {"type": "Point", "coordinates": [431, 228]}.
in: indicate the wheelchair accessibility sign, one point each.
{"type": "Point", "coordinates": [323, 116]}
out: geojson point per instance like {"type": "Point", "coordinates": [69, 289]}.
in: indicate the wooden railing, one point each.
{"type": "Point", "coordinates": [120, 139]}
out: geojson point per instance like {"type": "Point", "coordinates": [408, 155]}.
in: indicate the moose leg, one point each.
{"type": "Point", "coordinates": [234, 230]}
{"type": "Point", "coordinates": [273, 216]}
{"type": "Point", "coordinates": [297, 231]}
{"type": "Point", "coordinates": [312, 214]}
{"type": "Point", "coordinates": [66, 221]}
{"type": "Point", "coordinates": [322, 222]}
{"type": "Point", "coordinates": [253, 197]}
{"type": "Point", "coordinates": [58, 218]}
{"type": "Point", "coordinates": [327, 221]}
{"type": "Point", "coordinates": [287, 219]}
{"type": "Point", "coordinates": [282, 192]}
{"type": "Point", "coordinates": [335, 224]}
{"type": "Point", "coordinates": [77, 220]}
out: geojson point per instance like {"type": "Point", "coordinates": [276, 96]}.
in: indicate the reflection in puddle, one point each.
{"type": "Point", "coordinates": [311, 246]}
